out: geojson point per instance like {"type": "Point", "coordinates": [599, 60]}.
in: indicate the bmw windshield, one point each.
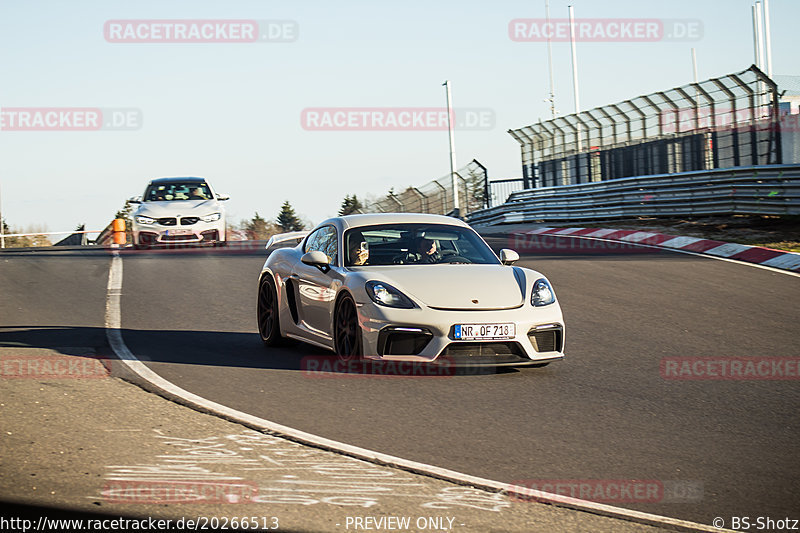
{"type": "Point", "coordinates": [166, 192]}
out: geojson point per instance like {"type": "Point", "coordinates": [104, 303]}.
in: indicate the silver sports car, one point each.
{"type": "Point", "coordinates": [178, 211]}
{"type": "Point", "coordinates": [408, 287]}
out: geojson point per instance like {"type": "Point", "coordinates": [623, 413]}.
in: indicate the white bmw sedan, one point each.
{"type": "Point", "coordinates": [409, 287]}
{"type": "Point", "coordinates": [178, 211]}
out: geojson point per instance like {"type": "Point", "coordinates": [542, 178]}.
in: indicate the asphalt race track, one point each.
{"type": "Point", "coordinates": [604, 413]}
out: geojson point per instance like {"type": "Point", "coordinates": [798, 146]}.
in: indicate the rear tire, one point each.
{"type": "Point", "coordinates": [347, 331]}
{"type": "Point", "coordinates": [268, 320]}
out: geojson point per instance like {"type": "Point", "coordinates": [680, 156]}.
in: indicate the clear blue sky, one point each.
{"type": "Point", "coordinates": [231, 112]}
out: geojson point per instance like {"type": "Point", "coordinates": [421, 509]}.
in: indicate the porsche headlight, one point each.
{"type": "Point", "coordinates": [542, 293]}
{"type": "Point", "coordinates": [384, 294]}
{"type": "Point", "coordinates": [213, 217]}
{"type": "Point", "coordinates": [141, 219]}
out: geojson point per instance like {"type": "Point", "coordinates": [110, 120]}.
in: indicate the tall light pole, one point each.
{"type": "Point", "coordinates": [552, 96]}
{"type": "Point", "coordinates": [767, 38]}
{"type": "Point", "coordinates": [575, 70]}
{"type": "Point", "coordinates": [758, 53]}
{"type": "Point", "coordinates": [450, 127]}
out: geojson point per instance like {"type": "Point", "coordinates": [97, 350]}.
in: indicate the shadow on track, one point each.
{"type": "Point", "coordinates": [225, 349]}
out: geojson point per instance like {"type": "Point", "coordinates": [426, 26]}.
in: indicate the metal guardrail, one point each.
{"type": "Point", "coordinates": [80, 235]}
{"type": "Point", "coordinates": [766, 190]}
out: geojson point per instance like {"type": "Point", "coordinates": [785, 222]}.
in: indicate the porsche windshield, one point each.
{"type": "Point", "coordinates": [166, 192]}
{"type": "Point", "coordinates": [415, 244]}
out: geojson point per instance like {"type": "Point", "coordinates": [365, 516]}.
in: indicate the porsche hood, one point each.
{"type": "Point", "coordinates": [458, 287]}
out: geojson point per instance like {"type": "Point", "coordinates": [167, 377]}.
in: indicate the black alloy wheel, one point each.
{"type": "Point", "coordinates": [347, 332]}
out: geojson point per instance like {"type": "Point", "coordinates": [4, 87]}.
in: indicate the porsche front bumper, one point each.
{"type": "Point", "coordinates": [427, 335]}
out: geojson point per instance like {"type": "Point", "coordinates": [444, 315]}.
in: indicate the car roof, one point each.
{"type": "Point", "coordinates": [189, 179]}
{"type": "Point", "coordinates": [371, 219]}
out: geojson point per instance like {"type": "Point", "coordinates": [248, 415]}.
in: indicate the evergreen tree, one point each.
{"type": "Point", "coordinates": [258, 228]}
{"type": "Point", "coordinates": [350, 205]}
{"type": "Point", "coordinates": [476, 187]}
{"type": "Point", "coordinates": [288, 220]}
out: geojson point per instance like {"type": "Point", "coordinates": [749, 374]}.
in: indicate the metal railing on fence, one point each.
{"type": "Point", "coordinates": [766, 190]}
{"type": "Point", "coordinates": [724, 122]}
{"type": "Point", "coordinates": [436, 197]}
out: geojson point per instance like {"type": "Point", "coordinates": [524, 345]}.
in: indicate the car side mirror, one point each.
{"type": "Point", "coordinates": [135, 200]}
{"type": "Point", "coordinates": [223, 197]}
{"type": "Point", "coordinates": [508, 257]}
{"type": "Point", "coordinates": [317, 259]}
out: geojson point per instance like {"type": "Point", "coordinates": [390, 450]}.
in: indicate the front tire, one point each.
{"type": "Point", "coordinates": [347, 331]}
{"type": "Point", "coordinates": [268, 323]}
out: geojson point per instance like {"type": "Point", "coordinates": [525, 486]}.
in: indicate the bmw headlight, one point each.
{"type": "Point", "coordinates": [542, 293]}
{"type": "Point", "coordinates": [384, 294]}
{"type": "Point", "coordinates": [213, 217]}
{"type": "Point", "coordinates": [141, 219]}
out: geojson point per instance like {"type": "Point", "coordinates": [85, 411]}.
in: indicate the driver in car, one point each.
{"type": "Point", "coordinates": [427, 252]}
{"type": "Point", "coordinates": [197, 194]}
{"type": "Point", "coordinates": [424, 251]}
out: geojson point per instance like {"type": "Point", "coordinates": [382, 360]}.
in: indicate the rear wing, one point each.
{"type": "Point", "coordinates": [285, 237]}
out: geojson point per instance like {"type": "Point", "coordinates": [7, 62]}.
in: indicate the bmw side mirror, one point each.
{"type": "Point", "coordinates": [508, 257]}
{"type": "Point", "coordinates": [223, 197]}
{"type": "Point", "coordinates": [135, 200]}
{"type": "Point", "coordinates": [317, 259]}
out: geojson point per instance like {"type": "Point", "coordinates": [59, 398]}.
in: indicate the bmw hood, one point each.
{"type": "Point", "coordinates": [195, 208]}
{"type": "Point", "coordinates": [462, 287]}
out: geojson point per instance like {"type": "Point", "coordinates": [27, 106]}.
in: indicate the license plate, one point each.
{"type": "Point", "coordinates": [471, 332]}
{"type": "Point", "coordinates": [178, 232]}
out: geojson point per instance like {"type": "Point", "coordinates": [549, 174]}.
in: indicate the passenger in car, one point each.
{"type": "Point", "coordinates": [358, 249]}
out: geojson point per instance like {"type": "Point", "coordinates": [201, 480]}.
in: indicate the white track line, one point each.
{"type": "Point", "coordinates": [113, 325]}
